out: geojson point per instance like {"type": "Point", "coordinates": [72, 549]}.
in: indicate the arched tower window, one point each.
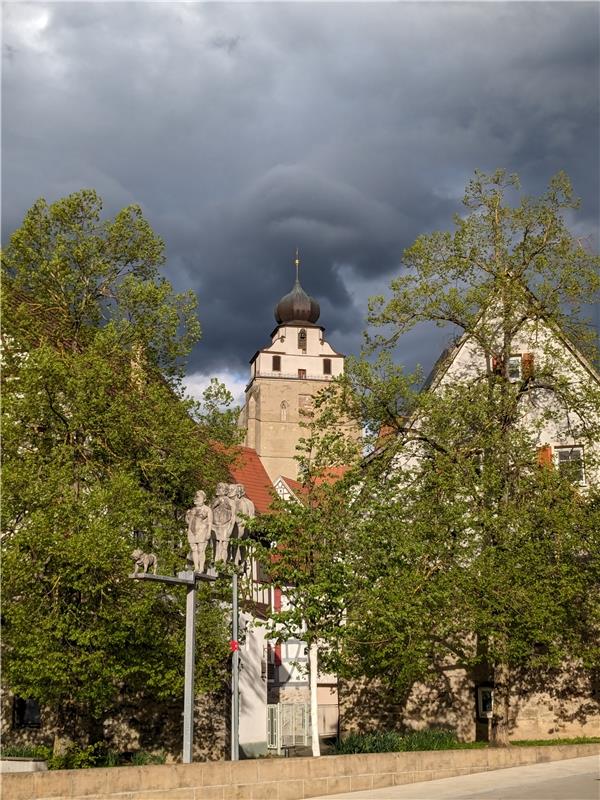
{"type": "Point", "coordinates": [253, 404]}
{"type": "Point", "coordinates": [302, 339]}
{"type": "Point", "coordinates": [283, 411]}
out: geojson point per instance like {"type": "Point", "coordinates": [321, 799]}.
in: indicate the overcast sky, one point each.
{"type": "Point", "coordinates": [244, 130]}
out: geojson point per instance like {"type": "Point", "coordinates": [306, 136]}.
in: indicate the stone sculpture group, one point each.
{"type": "Point", "coordinates": [219, 524]}
{"type": "Point", "coordinates": [222, 525]}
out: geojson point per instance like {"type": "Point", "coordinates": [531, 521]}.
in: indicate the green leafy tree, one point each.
{"type": "Point", "coordinates": [101, 453]}
{"type": "Point", "coordinates": [493, 552]}
{"type": "Point", "coordinates": [465, 546]}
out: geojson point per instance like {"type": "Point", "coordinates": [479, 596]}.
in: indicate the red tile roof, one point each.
{"type": "Point", "coordinates": [331, 474]}
{"type": "Point", "coordinates": [248, 470]}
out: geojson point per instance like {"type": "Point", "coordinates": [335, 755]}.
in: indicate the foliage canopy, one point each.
{"type": "Point", "coordinates": [101, 453]}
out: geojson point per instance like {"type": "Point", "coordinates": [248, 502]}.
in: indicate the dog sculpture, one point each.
{"type": "Point", "coordinates": [144, 561]}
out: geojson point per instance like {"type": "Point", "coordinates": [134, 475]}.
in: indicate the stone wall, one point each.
{"type": "Point", "coordinates": [553, 704]}
{"type": "Point", "coordinates": [284, 778]}
{"type": "Point", "coordinates": [151, 727]}
{"type": "Point", "coordinates": [547, 704]}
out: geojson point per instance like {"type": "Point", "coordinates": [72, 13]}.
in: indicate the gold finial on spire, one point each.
{"type": "Point", "coordinates": [297, 263]}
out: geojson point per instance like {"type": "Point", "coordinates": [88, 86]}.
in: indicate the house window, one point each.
{"type": "Point", "coordinates": [283, 411]}
{"type": "Point", "coordinates": [570, 462]}
{"type": "Point", "coordinates": [514, 368]}
{"type": "Point", "coordinates": [302, 373]}
{"type": "Point", "coordinates": [270, 662]}
{"type": "Point", "coordinates": [26, 713]}
{"type": "Point", "coordinates": [326, 366]}
{"type": "Point", "coordinates": [520, 366]}
{"type": "Point", "coordinates": [302, 339]}
{"type": "Point", "coordinates": [262, 573]}
{"type": "Point", "coordinates": [485, 702]}
{"type": "Point", "coordinates": [276, 363]}
{"type": "Point", "coordinates": [273, 661]}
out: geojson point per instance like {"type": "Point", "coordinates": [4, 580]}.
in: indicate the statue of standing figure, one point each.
{"type": "Point", "coordinates": [199, 520]}
{"type": "Point", "coordinates": [244, 508]}
{"type": "Point", "coordinates": [223, 509]}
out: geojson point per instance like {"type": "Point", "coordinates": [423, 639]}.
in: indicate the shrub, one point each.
{"type": "Point", "coordinates": [394, 742]}
{"type": "Point", "coordinates": [377, 742]}
{"type": "Point", "coordinates": [141, 758]}
{"type": "Point", "coordinates": [111, 759]}
{"type": "Point", "coordinates": [26, 751]}
{"type": "Point", "coordinates": [430, 740]}
{"type": "Point", "coordinates": [77, 758]}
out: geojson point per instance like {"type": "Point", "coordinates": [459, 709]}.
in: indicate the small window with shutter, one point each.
{"type": "Point", "coordinates": [276, 363]}
{"type": "Point", "coordinates": [302, 374]}
{"type": "Point", "coordinates": [570, 463]}
{"type": "Point", "coordinates": [520, 366]}
{"type": "Point", "coordinates": [326, 366]}
{"type": "Point", "coordinates": [514, 368]}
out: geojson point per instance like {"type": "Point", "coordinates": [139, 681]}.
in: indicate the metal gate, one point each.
{"type": "Point", "coordinates": [288, 725]}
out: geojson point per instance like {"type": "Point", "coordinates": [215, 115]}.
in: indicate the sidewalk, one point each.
{"type": "Point", "coordinates": [573, 779]}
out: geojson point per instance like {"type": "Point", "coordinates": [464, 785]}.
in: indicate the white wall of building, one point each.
{"type": "Point", "coordinates": [253, 689]}
{"type": "Point", "coordinates": [550, 351]}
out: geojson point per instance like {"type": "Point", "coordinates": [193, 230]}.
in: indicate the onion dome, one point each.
{"type": "Point", "coordinates": [297, 306]}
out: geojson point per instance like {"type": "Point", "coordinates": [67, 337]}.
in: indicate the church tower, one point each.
{"type": "Point", "coordinates": [284, 377]}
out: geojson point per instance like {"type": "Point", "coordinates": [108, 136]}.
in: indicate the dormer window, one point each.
{"type": "Point", "coordinates": [326, 366]}
{"type": "Point", "coordinates": [276, 363]}
{"type": "Point", "coordinates": [302, 339]}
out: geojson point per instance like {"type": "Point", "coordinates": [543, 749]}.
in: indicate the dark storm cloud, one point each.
{"type": "Point", "coordinates": [246, 130]}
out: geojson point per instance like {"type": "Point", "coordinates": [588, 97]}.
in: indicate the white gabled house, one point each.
{"type": "Point", "coordinates": [559, 393]}
{"type": "Point", "coordinates": [538, 349]}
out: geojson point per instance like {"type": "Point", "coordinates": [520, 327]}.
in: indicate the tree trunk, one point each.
{"type": "Point", "coordinates": [61, 744]}
{"type": "Point", "coordinates": [499, 724]}
{"type": "Point", "coordinates": [313, 672]}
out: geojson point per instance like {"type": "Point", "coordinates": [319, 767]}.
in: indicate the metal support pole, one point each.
{"type": "Point", "coordinates": [189, 580]}
{"type": "Point", "coordinates": [235, 674]}
{"type": "Point", "coordinates": [188, 692]}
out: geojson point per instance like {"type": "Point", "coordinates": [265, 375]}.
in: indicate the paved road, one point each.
{"type": "Point", "coordinates": [573, 779]}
